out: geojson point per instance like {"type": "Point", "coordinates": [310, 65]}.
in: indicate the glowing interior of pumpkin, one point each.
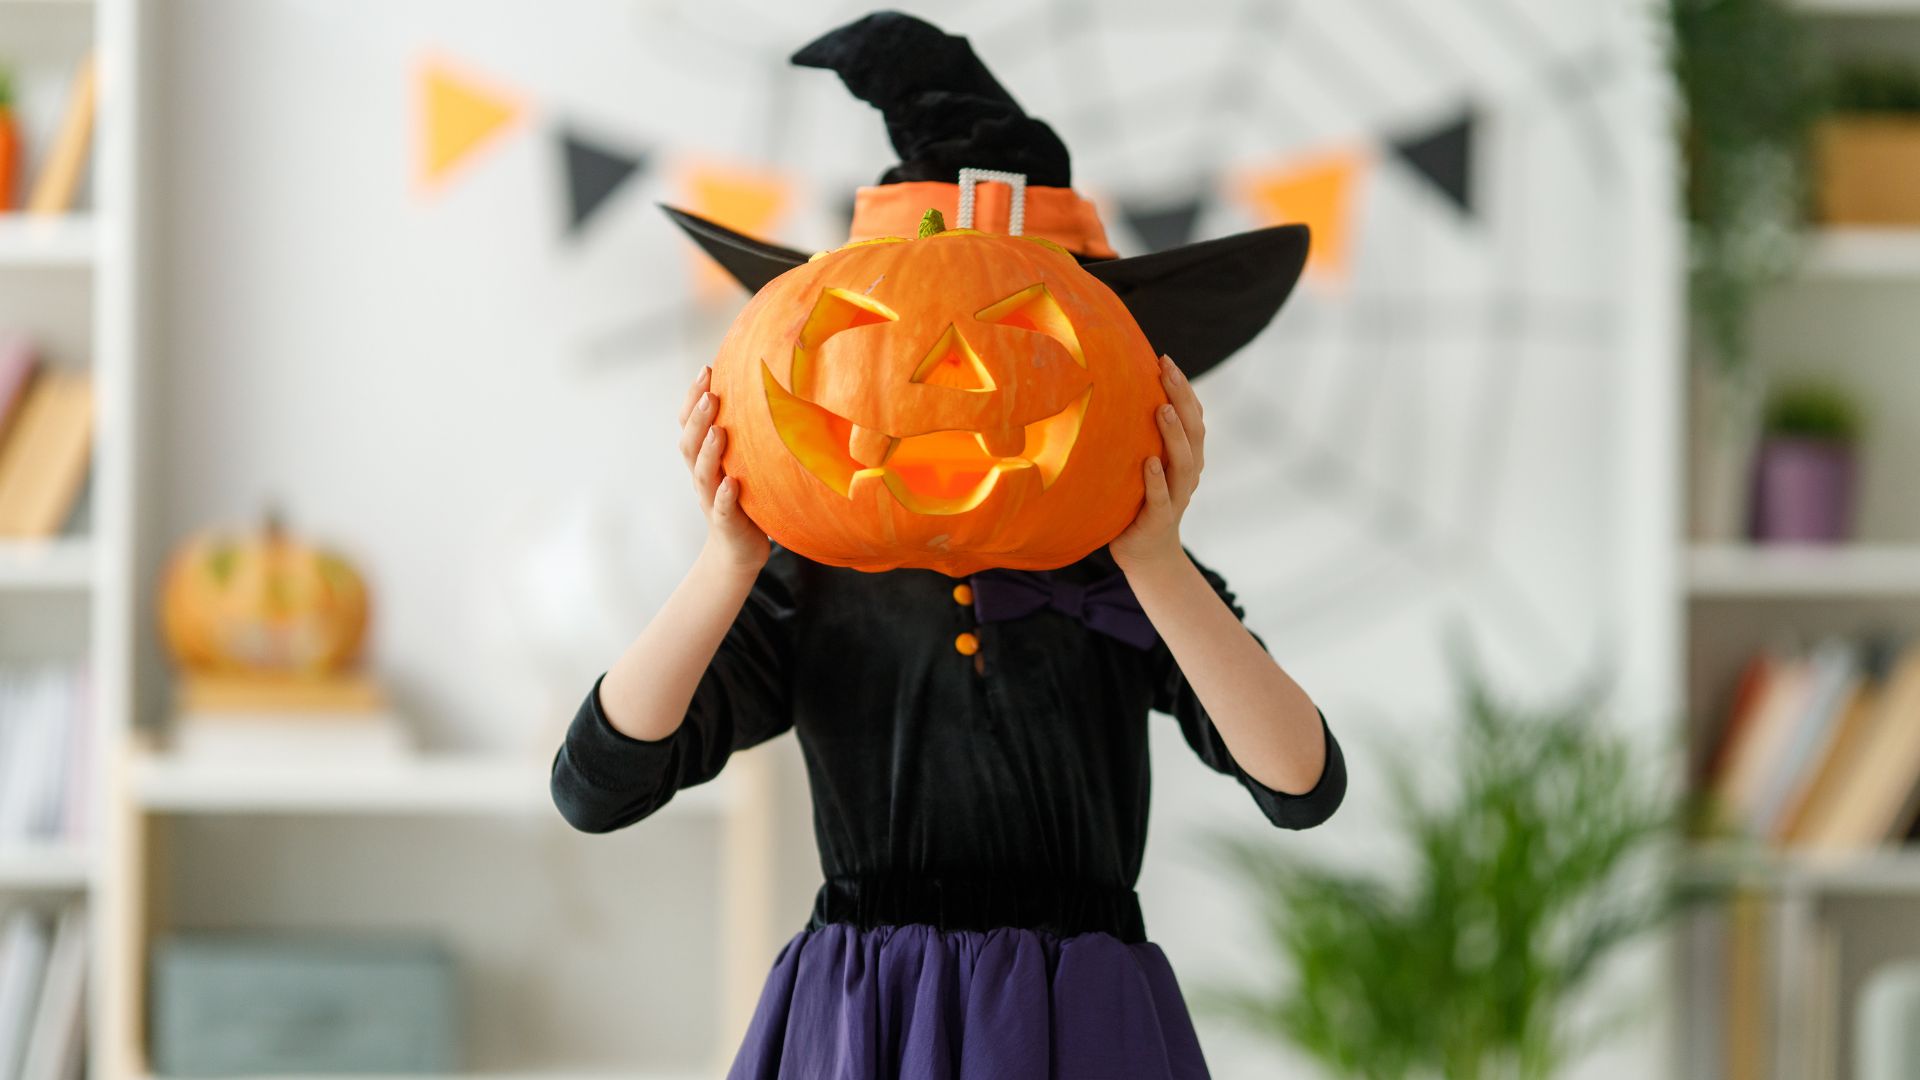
{"type": "Point", "coordinates": [938, 472]}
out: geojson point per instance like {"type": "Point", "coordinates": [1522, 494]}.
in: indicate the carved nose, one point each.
{"type": "Point", "coordinates": [952, 363]}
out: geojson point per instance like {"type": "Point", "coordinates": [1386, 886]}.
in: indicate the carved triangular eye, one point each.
{"type": "Point", "coordinates": [836, 310]}
{"type": "Point", "coordinates": [1034, 308]}
{"type": "Point", "coordinates": [953, 363]}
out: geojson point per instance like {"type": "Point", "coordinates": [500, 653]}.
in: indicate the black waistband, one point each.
{"type": "Point", "coordinates": [1059, 907]}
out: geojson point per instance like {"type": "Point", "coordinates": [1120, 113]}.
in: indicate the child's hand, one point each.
{"type": "Point", "coordinates": [731, 535]}
{"type": "Point", "coordinates": [1154, 536]}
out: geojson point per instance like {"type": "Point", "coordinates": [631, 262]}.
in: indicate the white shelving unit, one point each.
{"type": "Point", "coordinates": [1847, 316]}
{"type": "Point", "coordinates": [65, 563]}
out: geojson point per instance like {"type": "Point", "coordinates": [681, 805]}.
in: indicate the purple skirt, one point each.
{"type": "Point", "coordinates": [916, 1003]}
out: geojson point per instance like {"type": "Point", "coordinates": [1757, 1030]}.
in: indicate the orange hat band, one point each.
{"type": "Point", "coordinates": [1053, 213]}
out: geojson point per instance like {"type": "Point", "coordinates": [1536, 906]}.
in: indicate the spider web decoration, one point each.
{"type": "Point", "coordinates": [1376, 459]}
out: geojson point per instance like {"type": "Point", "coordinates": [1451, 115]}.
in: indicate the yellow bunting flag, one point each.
{"type": "Point", "coordinates": [459, 115]}
{"type": "Point", "coordinates": [744, 199]}
{"type": "Point", "coordinates": [1316, 191]}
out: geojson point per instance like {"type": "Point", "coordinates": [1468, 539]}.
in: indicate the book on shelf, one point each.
{"type": "Point", "coordinates": [43, 977]}
{"type": "Point", "coordinates": [58, 184]}
{"type": "Point", "coordinates": [45, 725]}
{"type": "Point", "coordinates": [1823, 750]}
{"type": "Point", "coordinates": [44, 454]}
{"type": "Point", "coordinates": [19, 360]}
{"type": "Point", "coordinates": [251, 717]}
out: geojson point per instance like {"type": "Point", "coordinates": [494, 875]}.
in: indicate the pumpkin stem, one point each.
{"type": "Point", "coordinates": [933, 221]}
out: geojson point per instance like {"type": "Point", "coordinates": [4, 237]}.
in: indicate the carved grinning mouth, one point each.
{"type": "Point", "coordinates": [940, 472]}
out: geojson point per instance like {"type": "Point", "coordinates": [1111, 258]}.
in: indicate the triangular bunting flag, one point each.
{"type": "Point", "coordinates": [746, 200]}
{"type": "Point", "coordinates": [459, 114]}
{"type": "Point", "coordinates": [1165, 224]}
{"type": "Point", "coordinates": [1317, 192]}
{"type": "Point", "coordinates": [594, 172]}
{"type": "Point", "coordinates": [1444, 155]}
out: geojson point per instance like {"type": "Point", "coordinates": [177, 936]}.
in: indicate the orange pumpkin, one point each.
{"type": "Point", "coordinates": [261, 602]}
{"type": "Point", "coordinates": [954, 402]}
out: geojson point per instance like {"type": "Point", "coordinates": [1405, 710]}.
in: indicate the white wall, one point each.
{"type": "Point", "coordinates": [442, 386]}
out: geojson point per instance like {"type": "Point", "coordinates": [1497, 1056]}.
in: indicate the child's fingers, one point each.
{"type": "Point", "coordinates": [726, 499]}
{"type": "Point", "coordinates": [1179, 460]}
{"type": "Point", "coordinates": [1158, 497]}
{"type": "Point", "coordinates": [706, 467]}
{"type": "Point", "coordinates": [700, 381]}
{"type": "Point", "coordinates": [1186, 405]}
{"type": "Point", "coordinates": [693, 433]}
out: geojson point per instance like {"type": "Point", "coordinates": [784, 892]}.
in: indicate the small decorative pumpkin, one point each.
{"type": "Point", "coordinates": [956, 401]}
{"type": "Point", "coordinates": [261, 602]}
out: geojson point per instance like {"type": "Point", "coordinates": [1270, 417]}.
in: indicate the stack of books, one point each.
{"type": "Point", "coordinates": [248, 718]}
{"type": "Point", "coordinates": [43, 975]}
{"type": "Point", "coordinates": [45, 722]}
{"type": "Point", "coordinates": [46, 441]}
{"type": "Point", "coordinates": [1821, 749]}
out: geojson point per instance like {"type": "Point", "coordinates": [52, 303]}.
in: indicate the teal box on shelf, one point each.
{"type": "Point", "coordinates": [262, 1005]}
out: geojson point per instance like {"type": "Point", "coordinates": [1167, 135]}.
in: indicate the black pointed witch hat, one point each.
{"type": "Point", "coordinates": [945, 112]}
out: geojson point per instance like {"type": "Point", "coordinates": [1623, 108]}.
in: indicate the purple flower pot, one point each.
{"type": "Point", "coordinates": [1803, 491]}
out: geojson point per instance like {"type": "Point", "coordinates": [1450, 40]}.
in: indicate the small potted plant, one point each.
{"type": "Point", "coordinates": [1803, 482]}
{"type": "Point", "coordinates": [1525, 859]}
{"type": "Point", "coordinates": [1867, 151]}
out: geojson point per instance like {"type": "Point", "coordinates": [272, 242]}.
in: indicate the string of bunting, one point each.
{"type": "Point", "coordinates": [463, 115]}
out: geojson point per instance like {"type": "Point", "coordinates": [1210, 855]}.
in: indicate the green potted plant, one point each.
{"type": "Point", "coordinates": [1461, 958]}
{"type": "Point", "coordinates": [1804, 470]}
{"type": "Point", "coordinates": [1867, 149]}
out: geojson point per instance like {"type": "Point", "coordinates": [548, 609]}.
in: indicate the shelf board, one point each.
{"type": "Point", "coordinates": [53, 867]}
{"type": "Point", "coordinates": [66, 241]}
{"type": "Point", "coordinates": [1863, 253]}
{"type": "Point", "coordinates": [1848, 570]}
{"type": "Point", "coordinates": [1859, 7]}
{"type": "Point", "coordinates": [469, 784]}
{"type": "Point", "coordinates": [60, 563]}
{"type": "Point", "coordinates": [1883, 871]}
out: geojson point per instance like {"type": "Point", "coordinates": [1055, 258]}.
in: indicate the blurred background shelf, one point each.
{"type": "Point", "coordinates": [1748, 570]}
{"type": "Point", "coordinates": [64, 563]}
{"type": "Point", "coordinates": [1891, 871]}
{"type": "Point", "coordinates": [444, 784]}
{"type": "Point", "coordinates": [45, 241]}
{"type": "Point", "coordinates": [46, 868]}
{"type": "Point", "coordinates": [1887, 253]}
{"type": "Point", "coordinates": [1859, 7]}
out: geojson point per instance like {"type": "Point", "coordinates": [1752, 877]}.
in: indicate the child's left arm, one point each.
{"type": "Point", "coordinates": [1270, 725]}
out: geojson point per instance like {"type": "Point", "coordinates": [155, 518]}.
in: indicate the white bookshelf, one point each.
{"type": "Point", "coordinates": [1847, 316]}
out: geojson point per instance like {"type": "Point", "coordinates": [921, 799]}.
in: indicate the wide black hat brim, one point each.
{"type": "Point", "coordinates": [1199, 304]}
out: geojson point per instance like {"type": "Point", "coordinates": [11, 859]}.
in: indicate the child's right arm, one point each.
{"type": "Point", "coordinates": [706, 675]}
{"type": "Point", "coordinates": [646, 691]}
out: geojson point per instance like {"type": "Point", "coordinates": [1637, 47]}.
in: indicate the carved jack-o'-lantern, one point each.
{"type": "Point", "coordinates": [975, 397]}
{"type": "Point", "coordinates": [954, 402]}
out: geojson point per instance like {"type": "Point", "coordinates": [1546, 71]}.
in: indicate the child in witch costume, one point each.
{"type": "Point", "coordinates": [977, 749]}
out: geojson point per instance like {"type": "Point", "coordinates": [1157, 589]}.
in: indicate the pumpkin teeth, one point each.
{"type": "Point", "coordinates": [1003, 442]}
{"type": "Point", "coordinates": [869, 447]}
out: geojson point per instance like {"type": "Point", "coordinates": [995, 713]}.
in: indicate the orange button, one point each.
{"type": "Point", "coordinates": [966, 644]}
{"type": "Point", "coordinates": [963, 594]}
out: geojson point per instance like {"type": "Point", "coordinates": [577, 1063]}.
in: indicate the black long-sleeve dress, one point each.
{"type": "Point", "coordinates": [968, 781]}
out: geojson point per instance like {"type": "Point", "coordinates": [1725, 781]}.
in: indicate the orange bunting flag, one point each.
{"type": "Point", "coordinates": [1316, 191]}
{"type": "Point", "coordinates": [459, 115]}
{"type": "Point", "coordinates": [744, 199]}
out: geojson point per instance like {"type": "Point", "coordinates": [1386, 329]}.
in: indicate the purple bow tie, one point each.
{"type": "Point", "coordinates": [1106, 606]}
